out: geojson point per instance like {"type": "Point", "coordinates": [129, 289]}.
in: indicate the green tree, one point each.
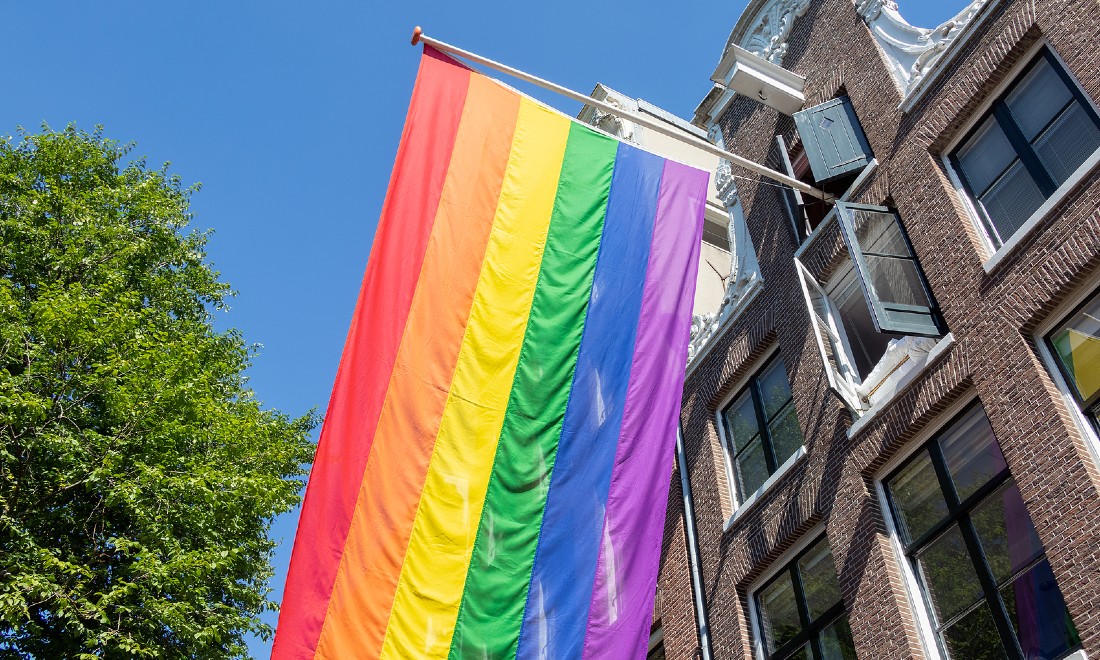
{"type": "Point", "coordinates": [138, 473]}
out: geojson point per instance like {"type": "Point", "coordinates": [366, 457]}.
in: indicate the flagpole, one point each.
{"type": "Point", "coordinates": [418, 36]}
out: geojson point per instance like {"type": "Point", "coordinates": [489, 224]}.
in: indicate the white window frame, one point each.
{"type": "Point", "coordinates": [1060, 316]}
{"type": "Point", "coordinates": [742, 505]}
{"type": "Point", "coordinates": [991, 255]}
{"type": "Point", "coordinates": [926, 632]}
{"type": "Point", "coordinates": [782, 562]}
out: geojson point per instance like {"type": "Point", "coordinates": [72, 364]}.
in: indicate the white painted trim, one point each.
{"type": "Point", "coordinates": [852, 190]}
{"type": "Point", "coordinates": [941, 346]}
{"type": "Point", "coordinates": [1037, 218]}
{"type": "Point", "coordinates": [925, 630]}
{"type": "Point", "coordinates": [1008, 81]}
{"type": "Point", "coordinates": [942, 63]}
{"type": "Point", "coordinates": [783, 561]}
{"type": "Point", "coordinates": [755, 288]}
{"type": "Point", "coordinates": [1060, 315]}
{"type": "Point", "coordinates": [735, 391]}
{"type": "Point", "coordinates": [993, 256]}
{"type": "Point", "coordinates": [787, 466]}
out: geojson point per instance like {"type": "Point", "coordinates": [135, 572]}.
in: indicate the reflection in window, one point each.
{"type": "Point", "coordinates": [962, 522]}
{"type": "Point", "coordinates": [761, 427]}
{"type": "Point", "coordinates": [1076, 345]}
{"type": "Point", "coordinates": [1029, 143]}
{"type": "Point", "coordinates": [867, 343]}
{"type": "Point", "coordinates": [802, 611]}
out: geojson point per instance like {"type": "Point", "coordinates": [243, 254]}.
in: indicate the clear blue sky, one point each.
{"type": "Point", "coordinates": [289, 114]}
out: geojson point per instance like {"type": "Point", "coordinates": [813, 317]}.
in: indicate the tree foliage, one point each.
{"type": "Point", "coordinates": [138, 473]}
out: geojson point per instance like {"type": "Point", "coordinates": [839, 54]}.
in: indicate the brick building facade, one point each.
{"type": "Point", "coordinates": [894, 470]}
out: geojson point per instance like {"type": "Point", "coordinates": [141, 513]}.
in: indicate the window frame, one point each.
{"type": "Point", "coordinates": [958, 517]}
{"type": "Point", "coordinates": [881, 311]}
{"type": "Point", "coordinates": [1086, 425]}
{"type": "Point", "coordinates": [994, 253]}
{"type": "Point", "coordinates": [811, 629]}
{"type": "Point", "coordinates": [742, 499]}
{"type": "Point", "coordinates": [843, 377]}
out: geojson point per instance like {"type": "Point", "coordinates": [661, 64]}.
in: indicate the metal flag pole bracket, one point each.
{"type": "Point", "coordinates": [418, 37]}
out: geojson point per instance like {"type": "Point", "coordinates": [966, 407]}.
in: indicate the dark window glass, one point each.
{"type": "Point", "coordinates": [802, 612]}
{"type": "Point", "coordinates": [981, 565]}
{"type": "Point", "coordinates": [761, 428]}
{"type": "Point", "coordinates": [867, 343]}
{"type": "Point", "coordinates": [1076, 346]}
{"type": "Point", "coordinates": [1030, 142]}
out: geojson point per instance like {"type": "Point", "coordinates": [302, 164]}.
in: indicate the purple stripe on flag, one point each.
{"type": "Point", "coordinates": [626, 575]}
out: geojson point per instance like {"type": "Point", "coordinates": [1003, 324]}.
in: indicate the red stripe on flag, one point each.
{"type": "Point", "coordinates": [373, 340]}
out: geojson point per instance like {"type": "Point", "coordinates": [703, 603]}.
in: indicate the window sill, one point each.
{"type": "Point", "coordinates": [1028, 228]}
{"type": "Point", "coordinates": [751, 500]}
{"type": "Point", "coordinates": [907, 377]}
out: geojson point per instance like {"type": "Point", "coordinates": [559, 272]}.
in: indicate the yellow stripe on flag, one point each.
{"type": "Point", "coordinates": [429, 590]}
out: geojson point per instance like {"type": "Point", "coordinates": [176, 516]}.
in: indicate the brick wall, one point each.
{"type": "Point", "coordinates": [993, 317]}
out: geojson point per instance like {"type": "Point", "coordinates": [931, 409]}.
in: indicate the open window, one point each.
{"type": "Point", "coordinates": [832, 153]}
{"type": "Point", "coordinates": [887, 270]}
{"type": "Point", "coordinates": [831, 340]}
{"type": "Point", "coordinates": [872, 302]}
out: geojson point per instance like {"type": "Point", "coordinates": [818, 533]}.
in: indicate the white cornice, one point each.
{"type": "Point", "coordinates": [763, 30]}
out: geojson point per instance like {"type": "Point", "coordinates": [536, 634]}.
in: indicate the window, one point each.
{"type": "Point", "coordinates": [832, 154]}
{"type": "Point", "coordinates": [801, 611]}
{"type": "Point", "coordinates": [1028, 144]}
{"type": "Point", "coordinates": [1076, 348]}
{"type": "Point", "coordinates": [984, 575]}
{"type": "Point", "coordinates": [761, 428]}
{"type": "Point", "coordinates": [876, 296]}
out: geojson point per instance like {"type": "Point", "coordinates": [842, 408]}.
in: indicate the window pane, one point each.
{"type": "Point", "coordinates": [1037, 98]}
{"type": "Point", "coordinates": [949, 575]}
{"type": "Point", "coordinates": [1068, 142]}
{"type": "Point", "coordinates": [917, 497]}
{"type": "Point", "coordinates": [1038, 614]}
{"type": "Point", "coordinates": [752, 469]}
{"type": "Point", "coordinates": [867, 344]}
{"type": "Point", "coordinates": [779, 612]}
{"type": "Point", "coordinates": [785, 434]}
{"type": "Point", "coordinates": [803, 653]}
{"type": "Point", "coordinates": [975, 637]}
{"type": "Point", "coordinates": [893, 277]}
{"type": "Point", "coordinates": [741, 421]}
{"type": "Point", "coordinates": [1006, 533]}
{"type": "Point", "coordinates": [836, 641]}
{"type": "Point", "coordinates": [1077, 345]}
{"type": "Point", "coordinates": [985, 156]}
{"type": "Point", "coordinates": [971, 452]}
{"type": "Point", "coordinates": [819, 583]}
{"type": "Point", "coordinates": [775, 391]}
{"type": "Point", "coordinates": [896, 280]}
{"type": "Point", "coordinates": [1011, 201]}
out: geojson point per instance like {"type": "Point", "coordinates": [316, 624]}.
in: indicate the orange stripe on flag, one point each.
{"type": "Point", "coordinates": [363, 595]}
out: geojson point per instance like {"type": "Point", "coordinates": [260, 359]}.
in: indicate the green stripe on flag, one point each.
{"type": "Point", "coordinates": [491, 613]}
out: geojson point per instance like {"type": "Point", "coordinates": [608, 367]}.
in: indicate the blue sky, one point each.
{"type": "Point", "coordinates": [289, 114]}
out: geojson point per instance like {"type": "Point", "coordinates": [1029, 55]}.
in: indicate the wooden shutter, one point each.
{"type": "Point", "coordinates": [834, 141]}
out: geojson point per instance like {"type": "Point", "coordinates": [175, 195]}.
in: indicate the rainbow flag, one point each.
{"type": "Point", "coordinates": [492, 473]}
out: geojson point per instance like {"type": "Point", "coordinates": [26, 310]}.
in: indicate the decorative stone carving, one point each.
{"type": "Point", "coordinates": [614, 124]}
{"type": "Point", "coordinates": [744, 275]}
{"type": "Point", "coordinates": [912, 52]}
{"type": "Point", "coordinates": [766, 33]}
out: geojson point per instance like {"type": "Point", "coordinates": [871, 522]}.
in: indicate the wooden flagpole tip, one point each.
{"type": "Point", "coordinates": [416, 35]}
